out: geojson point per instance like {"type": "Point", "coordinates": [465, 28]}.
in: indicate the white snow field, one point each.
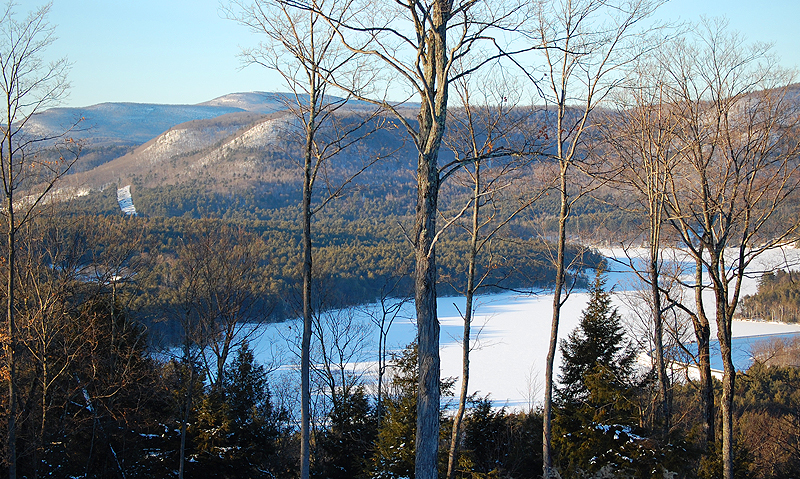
{"type": "Point", "coordinates": [511, 334]}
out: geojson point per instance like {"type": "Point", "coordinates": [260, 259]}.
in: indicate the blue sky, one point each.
{"type": "Point", "coordinates": [185, 51]}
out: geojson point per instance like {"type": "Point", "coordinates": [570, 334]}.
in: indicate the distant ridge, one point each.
{"type": "Point", "coordinates": [254, 101]}
{"type": "Point", "coordinates": [133, 124]}
{"type": "Point", "coordinates": [121, 123]}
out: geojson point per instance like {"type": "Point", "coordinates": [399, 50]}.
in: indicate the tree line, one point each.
{"type": "Point", "coordinates": [776, 299]}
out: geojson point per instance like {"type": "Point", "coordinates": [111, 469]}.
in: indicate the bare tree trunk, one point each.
{"type": "Point", "coordinates": [427, 437]}
{"type": "Point", "coordinates": [719, 282]}
{"type": "Point", "coordinates": [702, 332]}
{"type": "Point", "coordinates": [187, 411]}
{"type": "Point", "coordinates": [384, 320]}
{"type": "Point", "coordinates": [465, 340]}
{"type": "Point", "coordinates": [12, 327]}
{"type": "Point", "coordinates": [43, 423]}
{"type": "Point", "coordinates": [547, 410]}
{"type": "Point", "coordinates": [728, 382]}
{"type": "Point", "coordinates": [432, 118]}
{"type": "Point", "coordinates": [305, 358]}
{"type": "Point", "coordinates": [665, 409]}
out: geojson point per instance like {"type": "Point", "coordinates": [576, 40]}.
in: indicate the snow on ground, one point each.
{"type": "Point", "coordinates": [511, 333]}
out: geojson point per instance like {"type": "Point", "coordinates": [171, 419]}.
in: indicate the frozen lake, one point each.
{"type": "Point", "coordinates": [511, 334]}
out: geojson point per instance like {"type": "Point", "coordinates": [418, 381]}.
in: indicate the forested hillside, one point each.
{"type": "Point", "coordinates": [362, 246]}
{"type": "Point", "coordinates": [777, 299]}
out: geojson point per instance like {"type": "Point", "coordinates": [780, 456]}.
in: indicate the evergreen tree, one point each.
{"type": "Point", "coordinates": [238, 430]}
{"type": "Point", "coordinates": [347, 444]}
{"type": "Point", "coordinates": [394, 447]}
{"type": "Point", "coordinates": [395, 444]}
{"type": "Point", "coordinates": [597, 415]}
{"type": "Point", "coordinates": [500, 444]}
{"type": "Point", "coordinates": [255, 422]}
{"type": "Point", "coordinates": [596, 346]}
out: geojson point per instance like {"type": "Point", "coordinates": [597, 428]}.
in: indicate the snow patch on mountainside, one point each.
{"type": "Point", "coordinates": [183, 140]}
{"type": "Point", "coordinates": [262, 135]}
{"type": "Point", "coordinates": [255, 101]}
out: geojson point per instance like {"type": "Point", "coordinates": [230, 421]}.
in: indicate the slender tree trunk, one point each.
{"type": "Point", "coordinates": [465, 340]}
{"type": "Point", "coordinates": [379, 401]}
{"type": "Point", "coordinates": [728, 382]}
{"type": "Point", "coordinates": [729, 376]}
{"type": "Point", "coordinates": [43, 423]}
{"type": "Point", "coordinates": [665, 409]}
{"type": "Point", "coordinates": [547, 435]}
{"type": "Point", "coordinates": [186, 412]}
{"type": "Point", "coordinates": [305, 358]}
{"type": "Point", "coordinates": [702, 333]}
{"type": "Point", "coordinates": [382, 338]}
{"type": "Point", "coordinates": [12, 327]}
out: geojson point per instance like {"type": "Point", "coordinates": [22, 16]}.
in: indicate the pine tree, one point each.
{"type": "Point", "coordinates": [395, 446]}
{"type": "Point", "coordinates": [347, 443]}
{"type": "Point", "coordinates": [596, 421]}
{"type": "Point", "coordinates": [238, 429]}
{"type": "Point", "coordinates": [596, 346]}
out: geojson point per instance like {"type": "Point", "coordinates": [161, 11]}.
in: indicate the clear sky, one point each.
{"type": "Point", "coordinates": [185, 51]}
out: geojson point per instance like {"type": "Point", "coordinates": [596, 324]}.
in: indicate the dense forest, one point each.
{"type": "Point", "coordinates": [360, 250]}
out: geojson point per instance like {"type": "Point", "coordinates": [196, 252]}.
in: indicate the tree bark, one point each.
{"type": "Point", "coordinates": [432, 118]}
{"type": "Point", "coordinates": [187, 410]}
{"type": "Point", "coordinates": [547, 410]}
{"type": "Point", "coordinates": [305, 355]}
{"type": "Point", "coordinates": [427, 437]}
{"type": "Point", "coordinates": [719, 281]}
{"type": "Point", "coordinates": [665, 409]}
{"type": "Point", "coordinates": [11, 318]}
{"type": "Point", "coordinates": [702, 333]}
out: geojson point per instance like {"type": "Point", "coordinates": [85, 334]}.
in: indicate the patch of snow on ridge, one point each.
{"type": "Point", "coordinates": [126, 122]}
{"type": "Point", "coordinates": [261, 135]}
{"type": "Point", "coordinates": [184, 140]}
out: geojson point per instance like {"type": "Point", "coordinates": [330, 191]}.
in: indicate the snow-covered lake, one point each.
{"type": "Point", "coordinates": [511, 333]}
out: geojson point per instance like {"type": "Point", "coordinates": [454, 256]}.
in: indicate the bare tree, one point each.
{"type": "Point", "coordinates": [118, 260]}
{"type": "Point", "coordinates": [342, 338]}
{"type": "Point", "coordinates": [585, 44]}
{"type": "Point", "coordinates": [304, 50]}
{"type": "Point", "coordinates": [213, 293]}
{"type": "Point", "coordinates": [225, 265]}
{"type": "Point", "coordinates": [738, 137]}
{"type": "Point", "coordinates": [417, 44]}
{"type": "Point", "coordinates": [29, 85]}
{"type": "Point", "coordinates": [483, 134]}
{"type": "Point", "coordinates": [183, 283]}
{"type": "Point", "coordinates": [388, 308]}
{"type": "Point", "coordinates": [640, 136]}
{"type": "Point", "coordinates": [50, 257]}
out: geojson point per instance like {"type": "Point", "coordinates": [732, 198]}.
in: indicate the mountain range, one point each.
{"type": "Point", "coordinates": [240, 141]}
